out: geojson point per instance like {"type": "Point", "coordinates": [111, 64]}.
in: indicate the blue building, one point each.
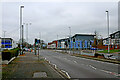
{"type": "Point", "coordinates": [82, 41]}
{"type": "Point", "coordinates": [78, 41]}
{"type": "Point", "coordinates": [6, 42]}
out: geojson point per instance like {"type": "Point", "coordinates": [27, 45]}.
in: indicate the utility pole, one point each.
{"type": "Point", "coordinates": [27, 33]}
{"type": "Point", "coordinates": [4, 39]}
{"type": "Point", "coordinates": [40, 39]}
{"type": "Point", "coordinates": [39, 45]}
{"type": "Point", "coordinates": [57, 41]}
{"type": "Point", "coordinates": [108, 30]}
{"type": "Point", "coordinates": [38, 50]}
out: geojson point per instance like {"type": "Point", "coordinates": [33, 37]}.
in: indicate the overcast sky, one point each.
{"type": "Point", "coordinates": [53, 18]}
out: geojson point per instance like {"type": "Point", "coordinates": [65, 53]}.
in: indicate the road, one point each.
{"type": "Point", "coordinates": [80, 67]}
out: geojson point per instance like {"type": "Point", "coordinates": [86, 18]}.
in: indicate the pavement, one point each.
{"type": "Point", "coordinates": [78, 67]}
{"type": "Point", "coordinates": [28, 66]}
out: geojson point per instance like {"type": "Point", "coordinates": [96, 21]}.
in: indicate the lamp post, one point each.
{"type": "Point", "coordinates": [108, 30]}
{"type": "Point", "coordinates": [21, 26]}
{"type": "Point", "coordinates": [27, 31]}
{"type": "Point", "coordinates": [4, 39]}
{"type": "Point", "coordinates": [70, 38]}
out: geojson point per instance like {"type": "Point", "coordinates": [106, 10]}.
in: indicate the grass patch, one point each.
{"type": "Point", "coordinates": [111, 51]}
{"type": "Point", "coordinates": [99, 59]}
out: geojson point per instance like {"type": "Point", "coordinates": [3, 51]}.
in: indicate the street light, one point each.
{"type": "Point", "coordinates": [21, 25]}
{"type": "Point", "coordinates": [70, 37]}
{"type": "Point", "coordinates": [27, 31]}
{"type": "Point", "coordinates": [4, 38]}
{"type": "Point", "coordinates": [108, 30]}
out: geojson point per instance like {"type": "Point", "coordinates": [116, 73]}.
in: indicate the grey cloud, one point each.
{"type": "Point", "coordinates": [52, 19]}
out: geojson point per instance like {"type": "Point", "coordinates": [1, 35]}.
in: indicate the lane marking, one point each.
{"type": "Point", "coordinates": [92, 67]}
{"type": "Point", "coordinates": [113, 73]}
{"type": "Point", "coordinates": [75, 61]}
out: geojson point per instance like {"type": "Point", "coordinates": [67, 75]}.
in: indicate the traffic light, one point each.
{"type": "Point", "coordinates": [38, 41]}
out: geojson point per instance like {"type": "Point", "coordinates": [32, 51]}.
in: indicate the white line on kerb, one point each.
{"type": "Point", "coordinates": [55, 66]}
{"type": "Point", "coordinates": [66, 73]}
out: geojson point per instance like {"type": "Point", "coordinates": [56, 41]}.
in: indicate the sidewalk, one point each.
{"type": "Point", "coordinates": [28, 66]}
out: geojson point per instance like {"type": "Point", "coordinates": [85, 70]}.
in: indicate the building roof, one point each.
{"type": "Point", "coordinates": [115, 32]}
{"type": "Point", "coordinates": [7, 38]}
{"type": "Point", "coordinates": [83, 35]}
{"type": "Point", "coordinates": [63, 39]}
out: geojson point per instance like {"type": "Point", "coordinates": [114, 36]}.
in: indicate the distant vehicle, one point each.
{"type": "Point", "coordinates": [94, 49]}
{"type": "Point", "coordinates": [25, 49]}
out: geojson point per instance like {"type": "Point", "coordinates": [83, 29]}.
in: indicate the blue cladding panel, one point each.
{"type": "Point", "coordinates": [90, 46]}
{"type": "Point", "coordinates": [10, 46]}
{"type": "Point", "coordinates": [81, 44]}
{"type": "Point", "coordinates": [85, 43]}
{"type": "Point", "coordinates": [76, 44]}
{"type": "Point", "coordinates": [71, 44]}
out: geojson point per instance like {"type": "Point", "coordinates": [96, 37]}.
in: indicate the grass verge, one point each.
{"type": "Point", "coordinates": [99, 59]}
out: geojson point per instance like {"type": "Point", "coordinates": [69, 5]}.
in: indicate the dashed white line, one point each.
{"type": "Point", "coordinates": [113, 73]}
{"type": "Point", "coordinates": [92, 67]}
{"type": "Point", "coordinates": [75, 61]}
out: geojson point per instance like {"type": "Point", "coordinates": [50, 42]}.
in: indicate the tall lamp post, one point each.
{"type": "Point", "coordinates": [70, 37]}
{"type": "Point", "coordinates": [21, 27]}
{"type": "Point", "coordinates": [4, 39]}
{"type": "Point", "coordinates": [108, 30]}
{"type": "Point", "coordinates": [27, 31]}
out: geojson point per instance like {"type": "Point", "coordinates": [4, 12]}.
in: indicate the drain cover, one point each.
{"type": "Point", "coordinates": [39, 74]}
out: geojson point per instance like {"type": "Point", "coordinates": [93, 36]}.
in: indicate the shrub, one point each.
{"type": "Point", "coordinates": [96, 55]}
{"type": "Point", "coordinates": [8, 54]}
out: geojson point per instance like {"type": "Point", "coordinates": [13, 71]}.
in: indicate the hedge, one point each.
{"type": "Point", "coordinates": [8, 54]}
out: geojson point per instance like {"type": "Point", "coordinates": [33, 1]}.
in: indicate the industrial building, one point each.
{"type": "Point", "coordinates": [114, 40]}
{"type": "Point", "coordinates": [7, 43]}
{"type": "Point", "coordinates": [78, 41]}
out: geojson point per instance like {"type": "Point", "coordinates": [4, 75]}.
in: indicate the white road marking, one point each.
{"type": "Point", "coordinates": [92, 67]}
{"type": "Point", "coordinates": [113, 73]}
{"type": "Point", "coordinates": [66, 73]}
{"type": "Point", "coordinates": [75, 61]}
{"type": "Point", "coordinates": [55, 66]}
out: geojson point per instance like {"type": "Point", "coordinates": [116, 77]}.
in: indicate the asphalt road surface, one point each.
{"type": "Point", "coordinates": [80, 67]}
